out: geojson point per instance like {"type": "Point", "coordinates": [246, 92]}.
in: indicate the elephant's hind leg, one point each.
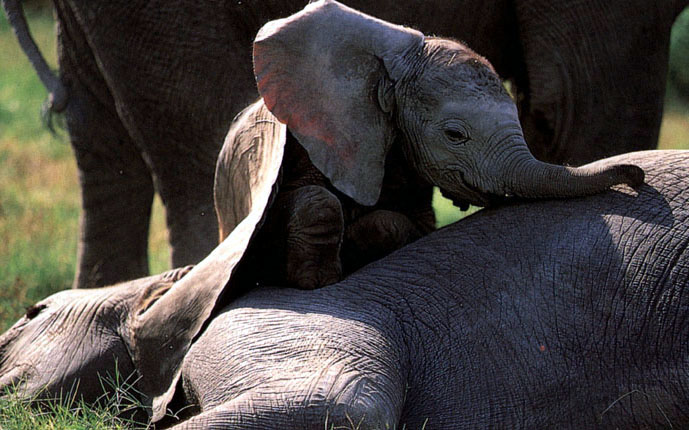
{"type": "Point", "coordinates": [249, 412]}
{"type": "Point", "coordinates": [116, 185]}
{"type": "Point", "coordinates": [284, 361]}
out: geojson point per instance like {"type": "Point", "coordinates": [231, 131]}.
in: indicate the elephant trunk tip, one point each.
{"type": "Point", "coordinates": [629, 174]}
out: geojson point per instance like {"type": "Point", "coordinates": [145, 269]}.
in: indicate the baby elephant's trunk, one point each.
{"type": "Point", "coordinates": [530, 178]}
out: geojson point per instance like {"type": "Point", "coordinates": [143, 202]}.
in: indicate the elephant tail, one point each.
{"type": "Point", "coordinates": [57, 98]}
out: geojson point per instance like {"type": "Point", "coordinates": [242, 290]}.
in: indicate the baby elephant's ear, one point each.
{"type": "Point", "coordinates": [169, 316]}
{"type": "Point", "coordinates": [321, 71]}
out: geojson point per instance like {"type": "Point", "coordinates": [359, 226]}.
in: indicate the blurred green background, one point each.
{"type": "Point", "coordinates": [39, 193]}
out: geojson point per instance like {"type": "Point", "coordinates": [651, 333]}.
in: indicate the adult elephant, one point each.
{"type": "Point", "coordinates": [555, 314]}
{"type": "Point", "coordinates": [149, 90]}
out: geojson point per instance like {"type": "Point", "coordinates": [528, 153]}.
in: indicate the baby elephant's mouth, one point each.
{"type": "Point", "coordinates": [487, 200]}
{"type": "Point", "coordinates": [465, 194]}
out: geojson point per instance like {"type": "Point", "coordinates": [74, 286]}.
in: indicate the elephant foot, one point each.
{"type": "Point", "coordinates": [315, 229]}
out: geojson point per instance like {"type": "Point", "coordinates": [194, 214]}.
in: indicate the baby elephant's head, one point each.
{"type": "Point", "coordinates": [349, 85]}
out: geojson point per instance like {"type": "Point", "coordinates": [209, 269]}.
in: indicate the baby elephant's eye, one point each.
{"type": "Point", "coordinates": [456, 136]}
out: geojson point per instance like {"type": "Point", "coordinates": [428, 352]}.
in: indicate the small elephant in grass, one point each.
{"type": "Point", "coordinates": [382, 112]}
{"type": "Point", "coordinates": [552, 314]}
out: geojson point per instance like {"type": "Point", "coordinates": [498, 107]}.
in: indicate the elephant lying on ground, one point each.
{"type": "Point", "coordinates": [379, 112]}
{"type": "Point", "coordinates": [149, 90]}
{"type": "Point", "coordinates": [553, 314]}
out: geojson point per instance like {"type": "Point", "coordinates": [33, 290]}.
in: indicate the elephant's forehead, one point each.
{"type": "Point", "coordinates": [484, 109]}
{"type": "Point", "coordinates": [69, 315]}
{"type": "Point", "coordinates": [483, 115]}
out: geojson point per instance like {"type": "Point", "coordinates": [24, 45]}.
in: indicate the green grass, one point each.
{"type": "Point", "coordinates": [20, 414]}
{"type": "Point", "coordinates": [39, 196]}
{"type": "Point", "coordinates": [111, 411]}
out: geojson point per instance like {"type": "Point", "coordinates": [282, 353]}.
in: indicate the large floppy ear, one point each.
{"type": "Point", "coordinates": [327, 72]}
{"type": "Point", "coordinates": [255, 144]}
{"type": "Point", "coordinates": [166, 320]}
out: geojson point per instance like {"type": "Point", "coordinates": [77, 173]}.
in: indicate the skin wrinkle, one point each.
{"type": "Point", "coordinates": [497, 150]}
{"type": "Point", "coordinates": [675, 296]}
{"type": "Point", "coordinates": [424, 288]}
{"type": "Point", "coordinates": [642, 274]}
{"type": "Point", "coordinates": [661, 278]}
{"type": "Point", "coordinates": [645, 257]}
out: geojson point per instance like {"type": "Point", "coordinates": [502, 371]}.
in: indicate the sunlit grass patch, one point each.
{"type": "Point", "coordinates": [447, 213]}
{"type": "Point", "coordinates": [39, 209]}
{"type": "Point", "coordinates": [674, 133]}
{"type": "Point", "coordinates": [158, 249]}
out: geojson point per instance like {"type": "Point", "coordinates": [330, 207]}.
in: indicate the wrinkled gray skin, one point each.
{"type": "Point", "coordinates": [351, 88]}
{"type": "Point", "coordinates": [149, 89]}
{"type": "Point", "coordinates": [553, 314]}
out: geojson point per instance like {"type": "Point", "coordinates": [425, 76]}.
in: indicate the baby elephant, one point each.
{"type": "Point", "coordinates": [380, 113]}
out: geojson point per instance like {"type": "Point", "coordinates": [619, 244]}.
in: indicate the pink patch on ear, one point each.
{"type": "Point", "coordinates": [263, 78]}
{"type": "Point", "coordinates": [319, 127]}
{"type": "Point", "coordinates": [285, 100]}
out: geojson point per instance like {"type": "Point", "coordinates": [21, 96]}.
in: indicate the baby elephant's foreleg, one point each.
{"type": "Point", "coordinates": [314, 232]}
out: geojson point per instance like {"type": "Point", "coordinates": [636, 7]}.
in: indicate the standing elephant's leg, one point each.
{"type": "Point", "coordinates": [187, 197]}
{"type": "Point", "coordinates": [116, 186]}
{"type": "Point", "coordinates": [117, 193]}
{"type": "Point", "coordinates": [596, 76]}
